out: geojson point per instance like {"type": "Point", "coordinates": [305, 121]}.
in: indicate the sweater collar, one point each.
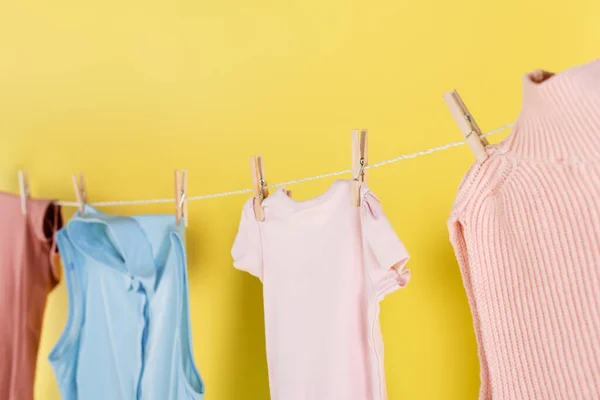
{"type": "Point", "coordinates": [560, 116]}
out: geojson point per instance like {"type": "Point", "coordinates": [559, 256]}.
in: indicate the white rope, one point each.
{"type": "Point", "coordinates": [115, 203]}
{"type": "Point", "coordinates": [434, 149]}
{"type": "Point", "coordinates": [292, 182]}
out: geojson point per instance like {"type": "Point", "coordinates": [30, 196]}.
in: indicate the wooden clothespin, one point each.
{"type": "Point", "coordinates": [80, 192]}
{"type": "Point", "coordinates": [181, 197]}
{"type": "Point", "coordinates": [23, 190]}
{"type": "Point", "coordinates": [360, 161]}
{"type": "Point", "coordinates": [467, 124]}
{"type": "Point", "coordinates": [259, 181]}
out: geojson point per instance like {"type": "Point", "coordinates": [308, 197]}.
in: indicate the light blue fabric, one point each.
{"type": "Point", "coordinates": [128, 331]}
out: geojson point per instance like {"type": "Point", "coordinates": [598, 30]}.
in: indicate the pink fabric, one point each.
{"type": "Point", "coordinates": [526, 230]}
{"type": "Point", "coordinates": [325, 265]}
{"type": "Point", "coordinates": [27, 275]}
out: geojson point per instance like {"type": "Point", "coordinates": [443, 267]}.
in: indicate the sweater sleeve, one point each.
{"type": "Point", "coordinates": [459, 242]}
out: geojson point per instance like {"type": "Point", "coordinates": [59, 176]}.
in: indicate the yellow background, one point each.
{"type": "Point", "coordinates": [126, 91]}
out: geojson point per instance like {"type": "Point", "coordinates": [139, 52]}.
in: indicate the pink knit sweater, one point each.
{"type": "Point", "coordinates": [526, 231]}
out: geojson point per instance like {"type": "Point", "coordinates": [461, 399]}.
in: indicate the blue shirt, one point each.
{"type": "Point", "coordinates": [128, 332]}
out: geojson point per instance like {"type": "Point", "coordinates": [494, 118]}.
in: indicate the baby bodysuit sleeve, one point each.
{"type": "Point", "coordinates": [247, 247]}
{"type": "Point", "coordinates": [385, 254]}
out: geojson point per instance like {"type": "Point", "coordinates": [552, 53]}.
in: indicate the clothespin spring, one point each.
{"type": "Point", "coordinates": [261, 194]}
{"type": "Point", "coordinates": [361, 172]}
{"type": "Point", "coordinates": [182, 199]}
{"type": "Point", "coordinates": [470, 121]}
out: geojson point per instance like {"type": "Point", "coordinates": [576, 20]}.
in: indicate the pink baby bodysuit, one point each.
{"type": "Point", "coordinates": [526, 230]}
{"type": "Point", "coordinates": [325, 264]}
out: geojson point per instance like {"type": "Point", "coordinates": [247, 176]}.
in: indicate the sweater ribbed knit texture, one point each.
{"type": "Point", "coordinates": [526, 231]}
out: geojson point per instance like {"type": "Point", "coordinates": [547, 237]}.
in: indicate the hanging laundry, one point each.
{"type": "Point", "coordinates": [128, 331]}
{"type": "Point", "coordinates": [27, 275]}
{"type": "Point", "coordinates": [526, 231]}
{"type": "Point", "coordinates": [325, 265]}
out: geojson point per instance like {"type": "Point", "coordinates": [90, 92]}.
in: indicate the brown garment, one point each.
{"type": "Point", "coordinates": [27, 275]}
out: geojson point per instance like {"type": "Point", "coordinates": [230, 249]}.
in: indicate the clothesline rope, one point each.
{"type": "Point", "coordinates": [287, 183]}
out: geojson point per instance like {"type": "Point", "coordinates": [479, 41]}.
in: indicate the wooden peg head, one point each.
{"type": "Point", "coordinates": [360, 161]}
{"type": "Point", "coordinates": [23, 190]}
{"type": "Point", "coordinates": [80, 191]}
{"type": "Point", "coordinates": [466, 124]}
{"type": "Point", "coordinates": [259, 184]}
